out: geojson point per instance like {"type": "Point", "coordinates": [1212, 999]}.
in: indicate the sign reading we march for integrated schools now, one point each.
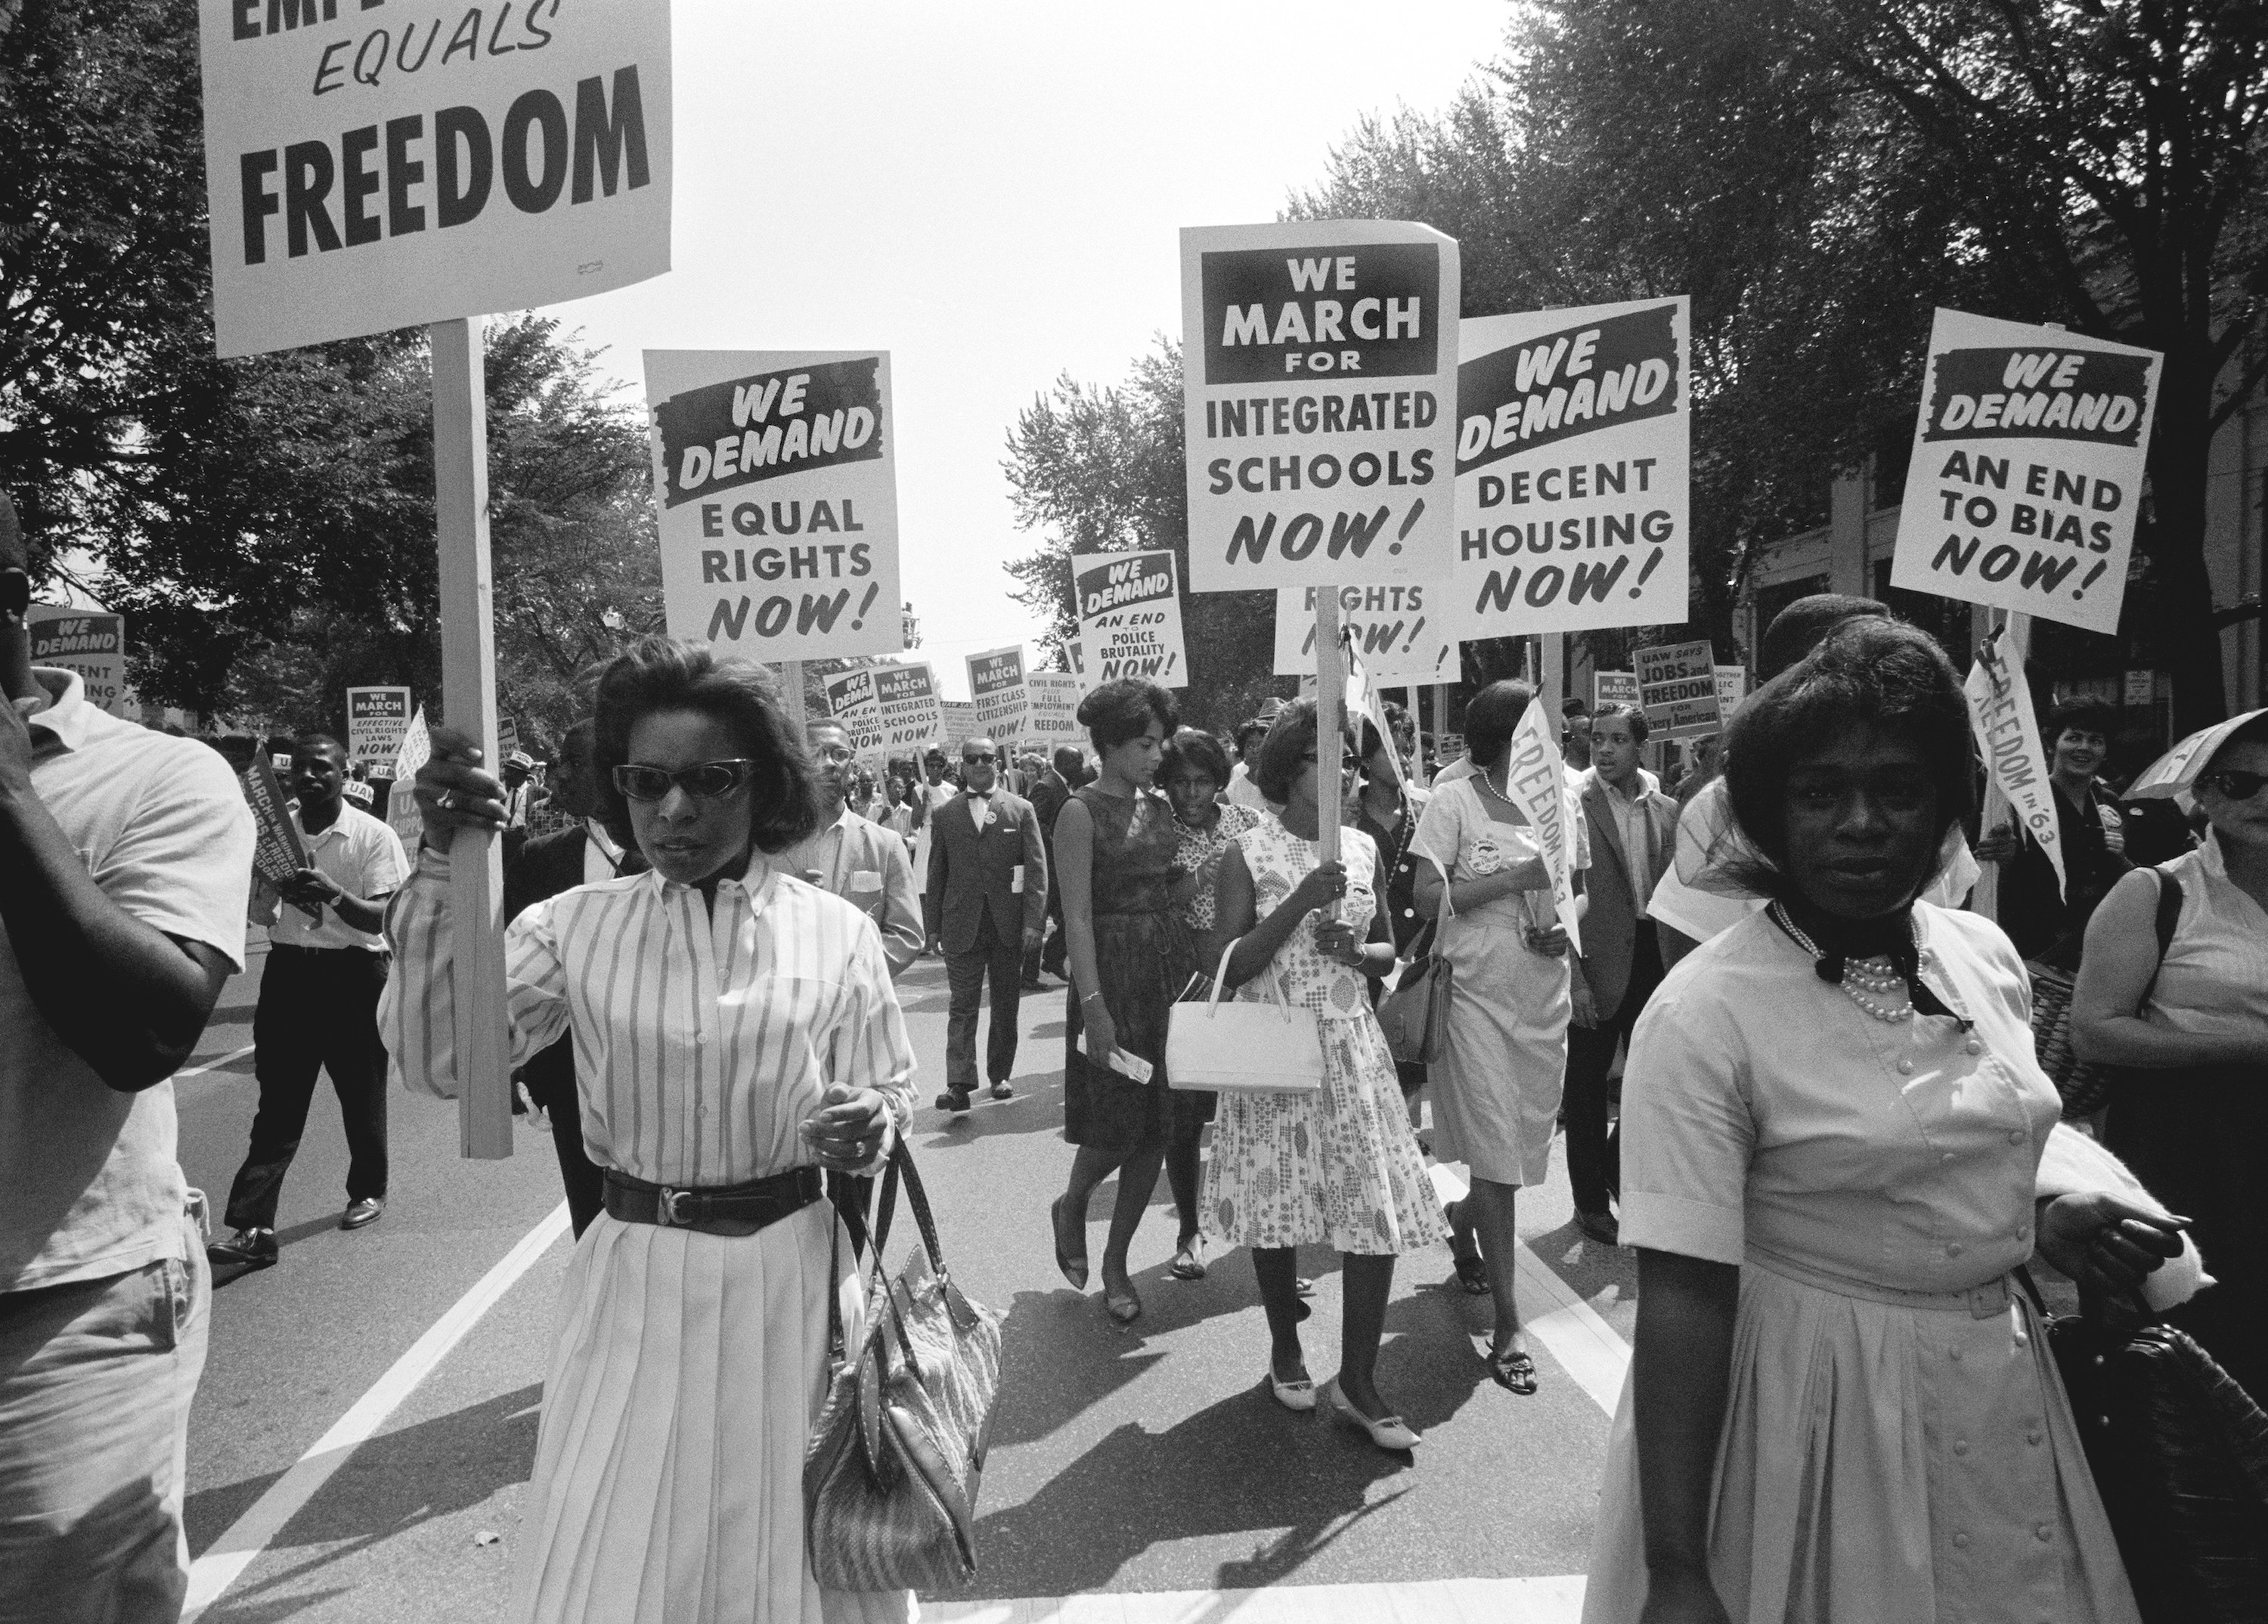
{"type": "Point", "coordinates": [1574, 438]}
{"type": "Point", "coordinates": [2027, 469]}
{"type": "Point", "coordinates": [1319, 371]}
{"type": "Point", "coordinates": [371, 165]}
{"type": "Point", "coordinates": [1402, 633]}
{"type": "Point", "coordinates": [1129, 617]}
{"type": "Point", "coordinates": [775, 477]}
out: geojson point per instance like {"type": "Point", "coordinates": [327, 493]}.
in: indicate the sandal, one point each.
{"type": "Point", "coordinates": [1472, 1275]}
{"type": "Point", "coordinates": [1189, 1260]}
{"type": "Point", "coordinates": [1515, 1371]}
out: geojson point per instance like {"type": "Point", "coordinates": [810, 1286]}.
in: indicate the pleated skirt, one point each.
{"type": "Point", "coordinates": [1883, 1463]}
{"type": "Point", "coordinates": [668, 1485]}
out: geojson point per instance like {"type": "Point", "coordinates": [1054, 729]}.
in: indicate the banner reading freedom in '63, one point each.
{"type": "Point", "coordinates": [370, 168]}
{"type": "Point", "coordinates": [2027, 469]}
{"type": "Point", "coordinates": [774, 475]}
{"type": "Point", "coordinates": [1401, 633]}
{"type": "Point", "coordinates": [1129, 617]}
{"type": "Point", "coordinates": [1573, 430]}
{"type": "Point", "coordinates": [1318, 380]}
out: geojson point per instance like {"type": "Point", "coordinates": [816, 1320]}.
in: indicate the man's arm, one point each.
{"type": "Point", "coordinates": [1035, 877]}
{"type": "Point", "coordinates": [935, 880]}
{"type": "Point", "coordinates": [900, 923]}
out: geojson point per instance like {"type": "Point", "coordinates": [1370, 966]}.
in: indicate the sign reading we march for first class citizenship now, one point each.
{"type": "Point", "coordinates": [1319, 385]}
{"type": "Point", "coordinates": [373, 164]}
{"type": "Point", "coordinates": [2027, 469]}
{"type": "Point", "coordinates": [774, 475]}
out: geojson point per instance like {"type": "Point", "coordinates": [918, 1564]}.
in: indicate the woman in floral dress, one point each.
{"type": "Point", "coordinates": [1337, 1166]}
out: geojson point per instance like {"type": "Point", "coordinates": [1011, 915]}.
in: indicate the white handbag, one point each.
{"type": "Point", "coordinates": [1239, 1048]}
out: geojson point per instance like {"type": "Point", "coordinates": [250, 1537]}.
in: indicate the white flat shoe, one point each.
{"type": "Point", "coordinates": [1389, 1432]}
{"type": "Point", "coordinates": [1299, 1395]}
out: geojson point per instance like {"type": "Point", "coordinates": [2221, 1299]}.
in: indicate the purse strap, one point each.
{"type": "Point", "coordinates": [1267, 974]}
{"type": "Point", "coordinates": [900, 1169]}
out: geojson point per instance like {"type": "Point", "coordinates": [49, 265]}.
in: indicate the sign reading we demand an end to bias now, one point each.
{"type": "Point", "coordinates": [371, 164]}
{"type": "Point", "coordinates": [2027, 469]}
{"type": "Point", "coordinates": [1319, 368]}
{"type": "Point", "coordinates": [774, 475]}
{"type": "Point", "coordinates": [1573, 447]}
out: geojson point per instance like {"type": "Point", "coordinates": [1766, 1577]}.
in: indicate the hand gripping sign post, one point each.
{"type": "Point", "coordinates": [366, 171]}
{"type": "Point", "coordinates": [2027, 469]}
{"type": "Point", "coordinates": [1319, 370]}
{"type": "Point", "coordinates": [377, 718]}
{"type": "Point", "coordinates": [1129, 617]}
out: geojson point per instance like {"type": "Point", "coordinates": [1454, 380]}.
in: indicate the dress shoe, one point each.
{"type": "Point", "coordinates": [1124, 1306]}
{"type": "Point", "coordinates": [1033, 984]}
{"type": "Point", "coordinates": [1389, 1432]}
{"type": "Point", "coordinates": [1600, 1227]}
{"type": "Point", "coordinates": [953, 1100]}
{"type": "Point", "coordinates": [1002, 1091]}
{"type": "Point", "coordinates": [366, 1211]}
{"type": "Point", "coordinates": [1299, 1395]}
{"type": "Point", "coordinates": [250, 1248]}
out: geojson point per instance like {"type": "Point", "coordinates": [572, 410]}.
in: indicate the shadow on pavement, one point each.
{"type": "Point", "coordinates": [1037, 1108]}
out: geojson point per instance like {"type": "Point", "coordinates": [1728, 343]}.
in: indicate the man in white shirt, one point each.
{"type": "Point", "coordinates": [860, 861]}
{"type": "Point", "coordinates": [318, 1008]}
{"type": "Point", "coordinates": [1241, 790]}
{"type": "Point", "coordinates": [122, 858]}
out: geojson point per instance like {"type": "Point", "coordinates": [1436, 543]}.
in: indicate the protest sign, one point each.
{"type": "Point", "coordinates": [957, 724]}
{"type": "Point", "coordinates": [2027, 469]}
{"type": "Point", "coordinates": [1129, 617]}
{"type": "Point", "coordinates": [88, 642]}
{"type": "Point", "coordinates": [1401, 633]}
{"type": "Point", "coordinates": [1613, 688]}
{"type": "Point", "coordinates": [1319, 366]}
{"type": "Point", "coordinates": [996, 687]}
{"type": "Point", "coordinates": [277, 852]}
{"type": "Point", "coordinates": [851, 705]}
{"type": "Point", "coordinates": [1052, 713]}
{"type": "Point", "coordinates": [366, 171]}
{"type": "Point", "coordinates": [1732, 688]}
{"type": "Point", "coordinates": [774, 475]}
{"type": "Point", "coordinates": [413, 752]}
{"type": "Point", "coordinates": [1536, 779]}
{"type": "Point", "coordinates": [1677, 685]}
{"type": "Point", "coordinates": [377, 719]}
{"type": "Point", "coordinates": [1572, 466]}
{"type": "Point", "coordinates": [2008, 736]}
{"type": "Point", "coordinates": [2174, 775]}
{"type": "Point", "coordinates": [507, 735]}
{"type": "Point", "coordinates": [906, 703]}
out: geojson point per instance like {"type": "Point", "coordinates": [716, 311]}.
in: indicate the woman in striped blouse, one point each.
{"type": "Point", "coordinates": [734, 1034]}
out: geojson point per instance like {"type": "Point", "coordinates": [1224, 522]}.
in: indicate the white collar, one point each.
{"type": "Point", "coordinates": [66, 713]}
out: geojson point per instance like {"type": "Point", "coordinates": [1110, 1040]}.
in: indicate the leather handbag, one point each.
{"type": "Point", "coordinates": [2086, 1086]}
{"type": "Point", "coordinates": [1415, 1016]}
{"type": "Point", "coordinates": [2179, 1454]}
{"type": "Point", "coordinates": [1239, 1048]}
{"type": "Point", "coordinates": [891, 1473]}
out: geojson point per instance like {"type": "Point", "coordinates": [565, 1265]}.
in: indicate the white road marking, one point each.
{"type": "Point", "coordinates": [233, 1552]}
{"type": "Point", "coordinates": [214, 1066]}
{"type": "Point", "coordinates": [1555, 1600]}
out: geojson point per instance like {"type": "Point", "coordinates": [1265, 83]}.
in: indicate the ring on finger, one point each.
{"type": "Point", "coordinates": [446, 800]}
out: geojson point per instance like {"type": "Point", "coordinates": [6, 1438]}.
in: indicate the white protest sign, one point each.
{"type": "Point", "coordinates": [414, 750]}
{"type": "Point", "coordinates": [1319, 372]}
{"type": "Point", "coordinates": [1053, 716]}
{"type": "Point", "coordinates": [1537, 781]}
{"type": "Point", "coordinates": [1677, 686]}
{"type": "Point", "coordinates": [1613, 688]}
{"type": "Point", "coordinates": [1732, 688]}
{"type": "Point", "coordinates": [89, 642]}
{"type": "Point", "coordinates": [775, 477]}
{"type": "Point", "coordinates": [1402, 633]}
{"type": "Point", "coordinates": [2027, 469]}
{"type": "Point", "coordinates": [851, 704]}
{"type": "Point", "coordinates": [2008, 736]}
{"type": "Point", "coordinates": [906, 701]}
{"type": "Point", "coordinates": [957, 724]}
{"type": "Point", "coordinates": [1573, 458]}
{"type": "Point", "coordinates": [1129, 617]}
{"type": "Point", "coordinates": [378, 720]}
{"type": "Point", "coordinates": [367, 169]}
{"type": "Point", "coordinates": [507, 735]}
{"type": "Point", "coordinates": [996, 687]}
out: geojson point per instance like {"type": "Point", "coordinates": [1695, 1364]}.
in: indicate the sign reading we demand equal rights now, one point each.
{"type": "Point", "coordinates": [371, 164]}
{"type": "Point", "coordinates": [2027, 469]}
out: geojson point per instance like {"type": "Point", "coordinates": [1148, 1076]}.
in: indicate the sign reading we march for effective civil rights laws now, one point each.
{"type": "Point", "coordinates": [774, 475]}
{"type": "Point", "coordinates": [373, 165]}
{"type": "Point", "coordinates": [2027, 469]}
{"type": "Point", "coordinates": [1319, 375]}
{"type": "Point", "coordinates": [378, 720]}
{"type": "Point", "coordinates": [1573, 436]}
{"type": "Point", "coordinates": [1129, 617]}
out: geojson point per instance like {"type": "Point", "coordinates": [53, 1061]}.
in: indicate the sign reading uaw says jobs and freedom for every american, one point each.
{"type": "Point", "coordinates": [773, 474]}
{"type": "Point", "coordinates": [372, 164]}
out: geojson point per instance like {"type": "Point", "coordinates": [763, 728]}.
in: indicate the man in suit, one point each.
{"type": "Point", "coordinates": [584, 854]}
{"type": "Point", "coordinates": [988, 888]}
{"type": "Point", "coordinates": [1634, 831]}
{"type": "Point", "coordinates": [1048, 794]}
{"type": "Point", "coordinates": [863, 862]}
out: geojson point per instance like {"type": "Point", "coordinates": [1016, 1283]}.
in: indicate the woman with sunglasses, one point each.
{"type": "Point", "coordinates": [735, 1034]}
{"type": "Point", "coordinates": [2191, 1117]}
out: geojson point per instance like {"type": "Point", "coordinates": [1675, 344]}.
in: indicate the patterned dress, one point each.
{"type": "Point", "coordinates": [1200, 847]}
{"type": "Point", "coordinates": [1337, 1166]}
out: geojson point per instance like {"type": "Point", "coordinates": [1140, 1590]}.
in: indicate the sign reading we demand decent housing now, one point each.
{"type": "Point", "coordinates": [371, 164]}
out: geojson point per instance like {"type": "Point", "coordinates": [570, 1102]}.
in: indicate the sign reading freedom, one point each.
{"type": "Point", "coordinates": [370, 167]}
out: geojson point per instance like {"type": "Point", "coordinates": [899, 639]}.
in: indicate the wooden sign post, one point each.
{"type": "Point", "coordinates": [1330, 718]}
{"type": "Point", "coordinates": [792, 693]}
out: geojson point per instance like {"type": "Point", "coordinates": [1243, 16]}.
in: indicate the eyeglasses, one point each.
{"type": "Point", "coordinates": [1348, 765]}
{"type": "Point", "coordinates": [710, 780]}
{"type": "Point", "coordinates": [984, 759]}
{"type": "Point", "coordinates": [2235, 782]}
{"type": "Point", "coordinates": [835, 754]}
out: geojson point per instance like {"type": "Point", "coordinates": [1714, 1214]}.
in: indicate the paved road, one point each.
{"type": "Point", "coordinates": [1140, 1459]}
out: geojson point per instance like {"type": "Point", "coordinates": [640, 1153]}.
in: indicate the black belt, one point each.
{"type": "Point", "coordinates": [735, 1209]}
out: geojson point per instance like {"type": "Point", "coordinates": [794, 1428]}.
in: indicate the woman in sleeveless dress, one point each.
{"type": "Point", "coordinates": [1337, 1166]}
{"type": "Point", "coordinates": [1129, 956]}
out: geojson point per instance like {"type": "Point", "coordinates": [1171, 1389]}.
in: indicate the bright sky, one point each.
{"type": "Point", "coordinates": [992, 193]}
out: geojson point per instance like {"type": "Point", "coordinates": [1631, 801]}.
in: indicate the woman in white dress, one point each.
{"type": "Point", "coordinates": [734, 1033]}
{"type": "Point", "coordinates": [1833, 1130]}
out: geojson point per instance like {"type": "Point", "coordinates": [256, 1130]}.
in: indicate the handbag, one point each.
{"type": "Point", "coordinates": [2179, 1454]}
{"type": "Point", "coordinates": [2085, 1085]}
{"type": "Point", "coordinates": [1239, 1048]}
{"type": "Point", "coordinates": [1415, 1016]}
{"type": "Point", "coordinates": [891, 1473]}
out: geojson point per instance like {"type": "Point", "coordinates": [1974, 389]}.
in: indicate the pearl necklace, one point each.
{"type": "Point", "coordinates": [1867, 982]}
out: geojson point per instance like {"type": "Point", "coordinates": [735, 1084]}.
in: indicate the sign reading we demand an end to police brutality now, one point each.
{"type": "Point", "coordinates": [1573, 437]}
{"type": "Point", "coordinates": [1319, 371]}
{"type": "Point", "coordinates": [2027, 469]}
{"type": "Point", "coordinates": [774, 475]}
{"type": "Point", "coordinates": [1129, 617]}
{"type": "Point", "coordinates": [373, 164]}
